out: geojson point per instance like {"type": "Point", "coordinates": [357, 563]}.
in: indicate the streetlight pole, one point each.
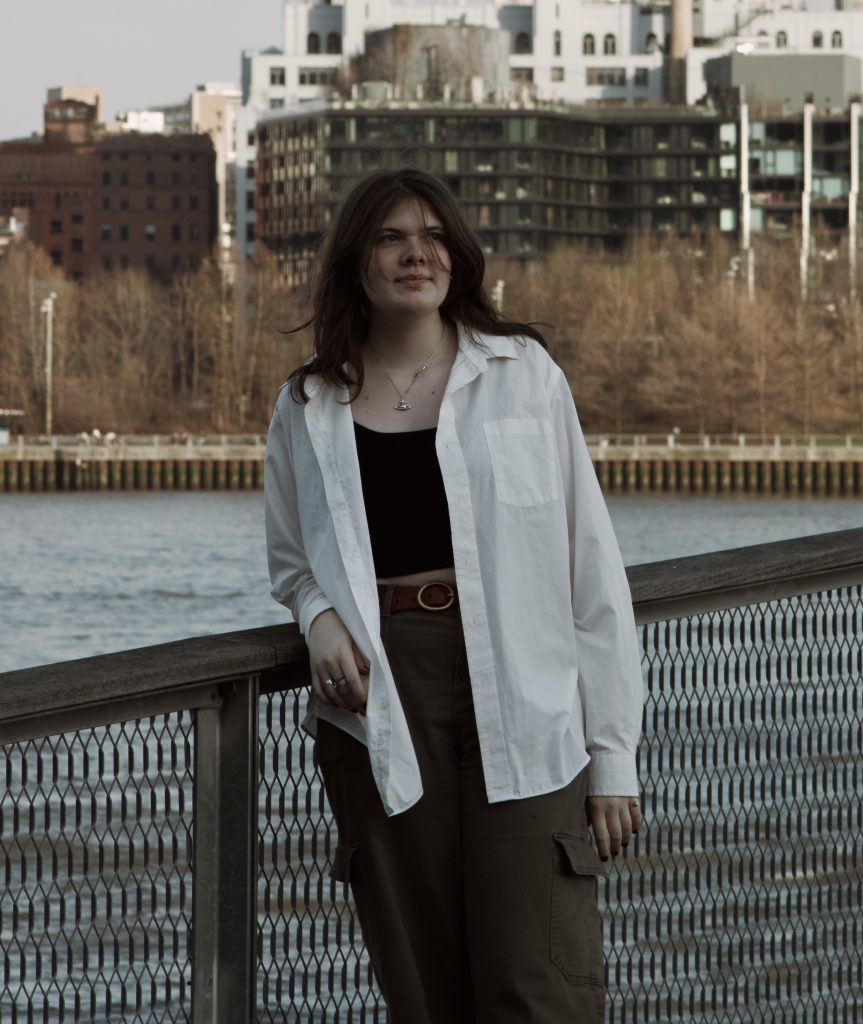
{"type": "Point", "coordinates": [47, 308]}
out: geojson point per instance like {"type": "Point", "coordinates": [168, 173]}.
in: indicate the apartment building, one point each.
{"type": "Point", "coordinates": [99, 202]}
{"type": "Point", "coordinates": [535, 176]}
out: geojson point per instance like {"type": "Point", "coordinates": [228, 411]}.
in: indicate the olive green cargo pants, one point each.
{"type": "Point", "coordinates": [472, 913]}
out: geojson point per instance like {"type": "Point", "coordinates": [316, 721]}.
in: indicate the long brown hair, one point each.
{"type": "Point", "coordinates": [339, 302]}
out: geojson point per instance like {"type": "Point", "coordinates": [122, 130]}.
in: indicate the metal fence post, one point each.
{"type": "Point", "coordinates": [224, 901]}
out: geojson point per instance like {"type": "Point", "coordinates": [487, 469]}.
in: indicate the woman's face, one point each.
{"type": "Point", "coordinates": [409, 266]}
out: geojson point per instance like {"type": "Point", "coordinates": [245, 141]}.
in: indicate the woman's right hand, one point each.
{"type": "Point", "coordinates": [334, 655]}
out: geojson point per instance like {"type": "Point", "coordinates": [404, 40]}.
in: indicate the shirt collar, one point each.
{"type": "Point", "coordinates": [476, 352]}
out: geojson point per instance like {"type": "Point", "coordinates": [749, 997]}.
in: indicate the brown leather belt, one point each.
{"type": "Point", "coordinates": [431, 597]}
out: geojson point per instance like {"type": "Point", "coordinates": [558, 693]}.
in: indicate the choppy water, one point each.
{"type": "Point", "coordinates": [84, 574]}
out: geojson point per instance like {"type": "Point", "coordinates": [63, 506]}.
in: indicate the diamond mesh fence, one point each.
{"type": "Point", "coordinates": [740, 899]}
{"type": "Point", "coordinates": [96, 907]}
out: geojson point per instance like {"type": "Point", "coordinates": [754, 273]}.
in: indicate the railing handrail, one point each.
{"type": "Point", "coordinates": [188, 673]}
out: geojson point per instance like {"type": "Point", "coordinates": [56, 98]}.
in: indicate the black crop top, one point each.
{"type": "Point", "coordinates": [405, 501]}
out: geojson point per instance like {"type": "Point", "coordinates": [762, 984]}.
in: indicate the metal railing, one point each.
{"type": "Point", "coordinates": [165, 840]}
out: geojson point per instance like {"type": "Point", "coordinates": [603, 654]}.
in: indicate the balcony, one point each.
{"type": "Point", "coordinates": [166, 840]}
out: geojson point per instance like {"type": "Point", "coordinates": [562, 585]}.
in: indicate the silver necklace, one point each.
{"type": "Point", "coordinates": [403, 405]}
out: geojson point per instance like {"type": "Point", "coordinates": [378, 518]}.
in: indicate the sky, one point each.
{"type": "Point", "coordinates": [141, 52]}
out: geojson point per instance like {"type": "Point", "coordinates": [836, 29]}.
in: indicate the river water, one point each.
{"type": "Point", "coordinates": [84, 574]}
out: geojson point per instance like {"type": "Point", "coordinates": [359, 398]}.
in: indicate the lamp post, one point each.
{"type": "Point", "coordinates": [47, 308]}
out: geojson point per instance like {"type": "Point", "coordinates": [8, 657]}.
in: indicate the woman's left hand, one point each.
{"type": "Point", "coordinates": [614, 819]}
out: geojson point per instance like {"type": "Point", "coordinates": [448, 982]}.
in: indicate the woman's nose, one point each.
{"type": "Point", "coordinates": [413, 252]}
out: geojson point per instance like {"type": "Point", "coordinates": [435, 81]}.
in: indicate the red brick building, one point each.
{"type": "Point", "coordinates": [99, 201]}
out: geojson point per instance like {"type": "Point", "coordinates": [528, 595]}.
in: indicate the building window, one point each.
{"type": "Point", "coordinates": [781, 40]}
{"type": "Point", "coordinates": [57, 257]}
{"type": "Point", "coordinates": [124, 232]}
{"type": "Point", "coordinates": [557, 74]}
{"type": "Point", "coordinates": [106, 232]}
{"type": "Point", "coordinates": [521, 74]}
{"type": "Point", "coordinates": [76, 218]}
{"type": "Point", "coordinates": [836, 40]}
{"type": "Point", "coordinates": [275, 104]}
{"type": "Point", "coordinates": [77, 245]}
{"type": "Point", "coordinates": [150, 203]}
{"type": "Point", "coordinates": [176, 203]}
{"type": "Point", "coordinates": [817, 40]}
{"type": "Point", "coordinates": [250, 138]}
{"type": "Point", "coordinates": [175, 158]}
{"type": "Point", "coordinates": [334, 43]}
{"type": "Point", "coordinates": [106, 262]}
{"type": "Point", "coordinates": [124, 178]}
{"type": "Point", "coordinates": [522, 43]}
{"type": "Point", "coordinates": [106, 203]}
{"type": "Point", "coordinates": [124, 204]}
{"type": "Point", "coordinates": [176, 263]}
{"type": "Point", "coordinates": [193, 202]}
{"type": "Point", "coordinates": [106, 177]}
{"type": "Point", "coordinates": [640, 77]}
{"type": "Point", "coordinates": [175, 178]}
{"type": "Point", "coordinates": [651, 44]}
{"type": "Point", "coordinates": [606, 76]}
{"type": "Point", "coordinates": [250, 232]}
{"type": "Point", "coordinates": [124, 262]}
{"type": "Point", "coordinates": [313, 43]}
{"type": "Point", "coordinates": [151, 177]}
{"type": "Point", "coordinates": [609, 45]}
{"type": "Point", "coordinates": [557, 44]}
{"type": "Point", "coordinates": [194, 232]}
{"type": "Point", "coordinates": [250, 200]}
{"type": "Point", "coordinates": [150, 232]}
{"type": "Point", "coordinates": [56, 227]}
{"type": "Point", "coordinates": [176, 233]}
{"type": "Point", "coordinates": [277, 76]}
{"type": "Point", "coordinates": [588, 45]}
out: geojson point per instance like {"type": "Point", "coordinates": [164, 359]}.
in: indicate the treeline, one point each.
{"type": "Point", "coordinates": [664, 335]}
{"type": "Point", "coordinates": [670, 334]}
{"type": "Point", "coordinates": [134, 355]}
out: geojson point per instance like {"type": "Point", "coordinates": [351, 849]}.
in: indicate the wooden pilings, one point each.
{"type": "Point", "coordinates": [830, 474]}
{"type": "Point", "coordinates": [796, 472]}
{"type": "Point", "coordinates": [26, 469]}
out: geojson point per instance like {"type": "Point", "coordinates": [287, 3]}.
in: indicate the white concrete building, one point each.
{"type": "Point", "coordinates": [575, 51]}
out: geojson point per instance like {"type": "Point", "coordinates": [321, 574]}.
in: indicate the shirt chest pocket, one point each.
{"type": "Point", "coordinates": [523, 460]}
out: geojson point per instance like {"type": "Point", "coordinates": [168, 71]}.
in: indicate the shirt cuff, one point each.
{"type": "Point", "coordinates": [310, 612]}
{"type": "Point", "coordinates": [612, 774]}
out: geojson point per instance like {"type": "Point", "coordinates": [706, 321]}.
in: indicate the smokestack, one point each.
{"type": "Point", "coordinates": [681, 44]}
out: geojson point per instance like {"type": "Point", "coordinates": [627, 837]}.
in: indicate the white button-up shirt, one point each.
{"type": "Point", "coordinates": [545, 605]}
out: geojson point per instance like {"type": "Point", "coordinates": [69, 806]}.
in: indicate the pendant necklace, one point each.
{"type": "Point", "coordinates": [403, 405]}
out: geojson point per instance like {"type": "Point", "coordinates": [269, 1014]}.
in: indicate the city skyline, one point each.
{"type": "Point", "coordinates": [138, 55]}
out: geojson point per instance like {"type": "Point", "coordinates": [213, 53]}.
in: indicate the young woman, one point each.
{"type": "Point", "coordinates": [435, 526]}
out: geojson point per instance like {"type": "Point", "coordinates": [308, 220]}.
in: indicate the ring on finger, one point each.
{"type": "Point", "coordinates": [341, 682]}
{"type": "Point", "coordinates": [329, 682]}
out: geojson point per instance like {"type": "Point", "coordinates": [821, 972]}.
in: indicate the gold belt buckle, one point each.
{"type": "Point", "coordinates": [435, 607]}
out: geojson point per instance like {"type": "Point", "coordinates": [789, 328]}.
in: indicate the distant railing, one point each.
{"type": "Point", "coordinates": [670, 439]}
{"type": "Point", "coordinates": [165, 839]}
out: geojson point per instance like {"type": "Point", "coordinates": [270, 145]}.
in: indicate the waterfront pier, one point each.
{"type": "Point", "coordinates": [632, 464]}
{"type": "Point", "coordinates": [166, 841]}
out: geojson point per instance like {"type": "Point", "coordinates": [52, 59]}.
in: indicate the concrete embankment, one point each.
{"type": "Point", "coordinates": [780, 468]}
